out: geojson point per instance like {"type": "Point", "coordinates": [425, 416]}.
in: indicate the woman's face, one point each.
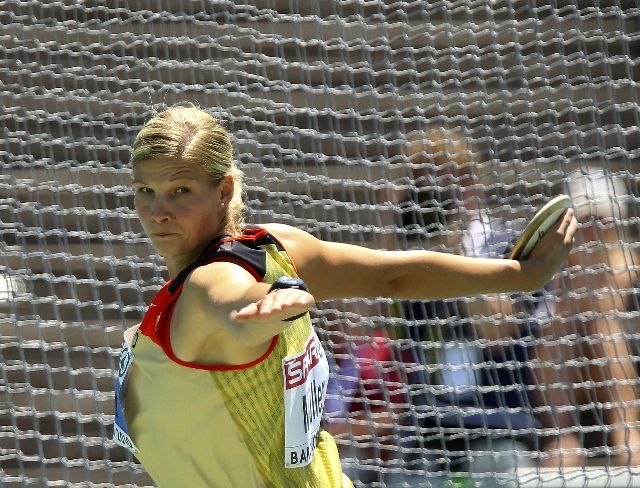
{"type": "Point", "coordinates": [179, 208]}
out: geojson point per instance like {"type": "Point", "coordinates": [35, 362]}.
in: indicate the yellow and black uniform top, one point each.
{"type": "Point", "coordinates": [250, 425]}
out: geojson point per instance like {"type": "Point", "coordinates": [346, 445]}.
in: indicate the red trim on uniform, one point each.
{"type": "Point", "coordinates": [157, 320]}
{"type": "Point", "coordinates": [165, 339]}
{"type": "Point", "coordinates": [251, 235]}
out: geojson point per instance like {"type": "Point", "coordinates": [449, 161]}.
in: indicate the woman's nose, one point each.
{"type": "Point", "coordinates": [160, 211]}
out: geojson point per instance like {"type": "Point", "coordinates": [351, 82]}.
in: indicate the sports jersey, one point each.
{"type": "Point", "coordinates": [248, 426]}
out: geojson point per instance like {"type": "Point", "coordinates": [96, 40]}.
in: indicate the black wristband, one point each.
{"type": "Point", "coordinates": [286, 282]}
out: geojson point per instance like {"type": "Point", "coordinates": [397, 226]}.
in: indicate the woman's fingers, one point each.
{"type": "Point", "coordinates": [245, 313]}
{"type": "Point", "coordinates": [572, 228]}
{"type": "Point", "coordinates": [563, 232]}
{"type": "Point", "coordinates": [567, 228]}
{"type": "Point", "coordinates": [276, 305]}
{"type": "Point", "coordinates": [548, 255]}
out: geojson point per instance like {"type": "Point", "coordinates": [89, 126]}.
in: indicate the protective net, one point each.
{"type": "Point", "coordinates": [435, 125]}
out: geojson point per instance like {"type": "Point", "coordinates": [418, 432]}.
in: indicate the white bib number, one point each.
{"type": "Point", "coordinates": [120, 430]}
{"type": "Point", "coordinates": [305, 386]}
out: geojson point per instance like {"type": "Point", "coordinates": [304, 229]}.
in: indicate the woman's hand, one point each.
{"type": "Point", "coordinates": [276, 306]}
{"type": "Point", "coordinates": [551, 251]}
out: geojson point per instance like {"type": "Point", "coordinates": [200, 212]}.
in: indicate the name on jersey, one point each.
{"type": "Point", "coordinates": [305, 385]}
{"type": "Point", "coordinates": [313, 403]}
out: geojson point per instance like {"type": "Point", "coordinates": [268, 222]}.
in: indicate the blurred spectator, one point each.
{"type": "Point", "coordinates": [585, 361]}
{"type": "Point", "coordinates": [472, 411]}
{"type": "Point", "coordinates": [459, 398]}
{"type": "Point", "coordinates": [365, 394]}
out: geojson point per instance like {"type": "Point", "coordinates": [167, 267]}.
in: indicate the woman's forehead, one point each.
{"type": "Point", "coordinates": [167, 169]}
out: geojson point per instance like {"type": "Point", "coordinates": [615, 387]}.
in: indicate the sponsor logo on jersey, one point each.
{"type": "Point", "coordinates": [297, 368]}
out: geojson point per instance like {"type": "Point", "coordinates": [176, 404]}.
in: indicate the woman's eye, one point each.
{"type": "Point", "coordinates": [182, 189]}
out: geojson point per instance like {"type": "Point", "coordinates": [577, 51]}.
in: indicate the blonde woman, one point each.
{"type": "Point", "coordinates": [223, 382]}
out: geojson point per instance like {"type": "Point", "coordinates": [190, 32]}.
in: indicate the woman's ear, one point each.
{"type": "Point", "coordinates": [227, 187]}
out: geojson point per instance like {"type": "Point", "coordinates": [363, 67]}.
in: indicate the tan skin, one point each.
{"type": "Point", "coordinates": [224, 316]}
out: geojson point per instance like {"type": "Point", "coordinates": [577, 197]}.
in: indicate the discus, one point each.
{"type": "Point", "coordinates": [541, 222]}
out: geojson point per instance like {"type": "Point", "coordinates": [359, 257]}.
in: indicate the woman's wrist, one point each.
{"type": "Point", "coordinates": [289, 283]}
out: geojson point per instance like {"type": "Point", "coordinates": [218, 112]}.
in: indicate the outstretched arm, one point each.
{"type": "Point", "coordinates": [225, 316]}
{"type": "Point", "coordinates": [333, 270]}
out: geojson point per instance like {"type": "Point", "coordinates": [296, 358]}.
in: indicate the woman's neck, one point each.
{"type": "Point", "coordinates": [175, 264]}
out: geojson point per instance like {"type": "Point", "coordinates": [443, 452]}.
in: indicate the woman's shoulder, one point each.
{"type": "Point", "coordinates": [284, 230]}
{"type": "Point", "coordinates": [289, 236]}
{"type": "Point", "coordinates": [302, 247]}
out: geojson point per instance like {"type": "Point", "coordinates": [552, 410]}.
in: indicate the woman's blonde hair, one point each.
{"type": "Point", "coordinates": [192, 135]}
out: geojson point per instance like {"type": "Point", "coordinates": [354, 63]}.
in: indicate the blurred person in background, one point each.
{"type": "Point", "coordinates": [566, 342]}
{"type": "Point", "coordinates": [473, 411]}
{"type": "Point", "coordinates": [585, 360]}
{"type": "Point", "coordinates": [365, 395]}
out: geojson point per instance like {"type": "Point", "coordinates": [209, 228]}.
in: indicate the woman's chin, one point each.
{"type": "Point", "coordinates": [165, 245]}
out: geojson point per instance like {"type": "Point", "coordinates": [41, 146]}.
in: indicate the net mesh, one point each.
{"type": "Point", "coordinates": [435, 125]}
